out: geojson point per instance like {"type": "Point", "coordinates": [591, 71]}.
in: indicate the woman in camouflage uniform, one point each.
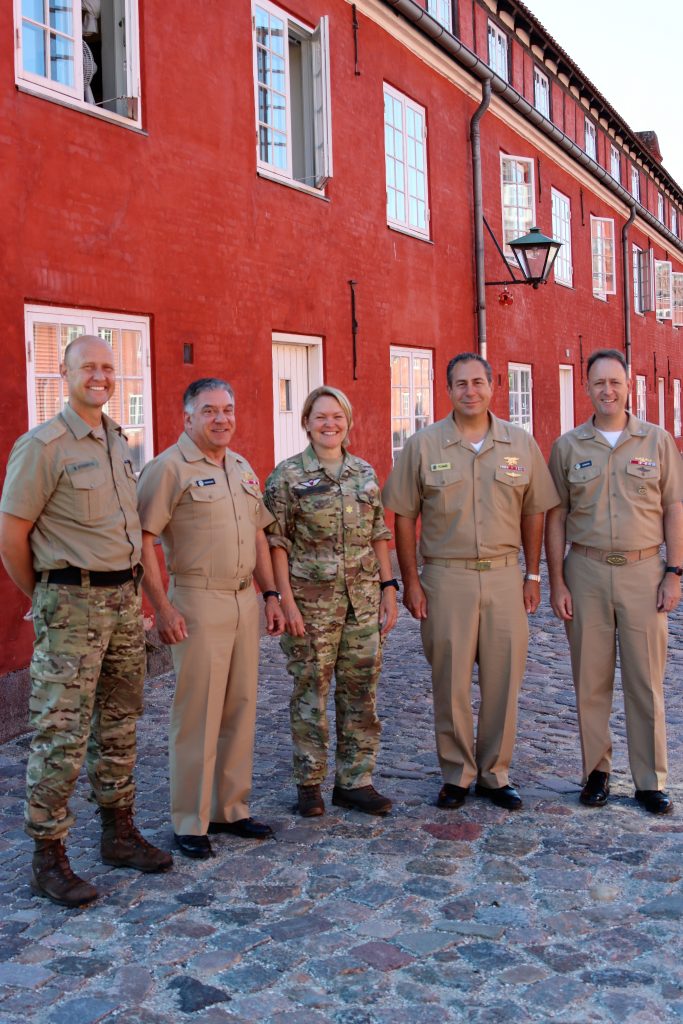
{"type": "Point", "coordinates": [332, 568]}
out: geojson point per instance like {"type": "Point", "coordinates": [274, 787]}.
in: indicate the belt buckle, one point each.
{"type": "Point", "coordinates": [482, 564]}
{"type": "Point", "coordinates": [244, 583]}
{"type": "Point", "coordinates": [616, 558]}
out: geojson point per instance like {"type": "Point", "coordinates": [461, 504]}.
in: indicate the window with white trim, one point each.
{"type": "Point", "coordinates": [641, 397]}
{"type": "Point", "coordinates": [541, 92]}
{"type": "Point", "coordinates": [49, 331]}
{"type": "Point", "coordinates": [412, 400]}
{"type": "Point", "coordinates": [602, 253]}
{"type": "Point", "coordinates": [520, 386]}
{"type": "Point", "coordinates": [292, 91]}
{"type": "Point", "coordinates": [660, 207]}
{"type": "Point", "coordinates": [635, 183]}
{"type": "Point", "coordinates": [83, 53]}
{"type": "Point", "coordinates": [615, 163]}
{"type": "Point", "coordinates": [405, 151]}
{"type": "Point", "coordinates": [663, 271]}
{"type": "Point", "coordinates": [677, 408]}
{"type": "Point", "coordinates": [517, 194]}
{"type": "Point", "coordinates": [646, 279]}
{"type": "Point", "coordinates": [677, 299]}
{"type": "Point", "coordinates": [590, 139]}
{"type": "Point", "coordinates": [441, 11]}
{"type": "Point", "coordinates": [637, 291]}
{"type": "Point", "coordinates": [674, 222]}
{"type": "Point", "coordinates": [499, 45]}
{"type": "Point", "coordinates": [562, 231]}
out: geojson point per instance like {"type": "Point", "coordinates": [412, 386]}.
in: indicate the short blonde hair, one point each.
{"type": "Point", "coordinates": [330, 392]}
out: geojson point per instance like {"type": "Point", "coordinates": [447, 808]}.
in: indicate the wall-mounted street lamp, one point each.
{"type": "Point", "coordinates": [535, 254]}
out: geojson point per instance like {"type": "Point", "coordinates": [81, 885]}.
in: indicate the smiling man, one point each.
{"type": "Point", "coordinates": [620, 484]}
{"type": "Point", "coordinates": [70, 539]}
{"type": "Point", "coordinates": [204, 501]}
{"type": "Point", "coordinates": [480, 487]}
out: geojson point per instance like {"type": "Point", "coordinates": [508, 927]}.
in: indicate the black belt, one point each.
{"type": "Point", "coordinates": [72, 576]}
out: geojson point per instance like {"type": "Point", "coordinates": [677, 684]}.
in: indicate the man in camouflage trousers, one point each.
{"type": "Point", "coordinates": [70, 539]}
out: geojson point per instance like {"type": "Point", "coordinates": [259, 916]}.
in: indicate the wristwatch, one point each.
{"type": "Point", "coordinates": [270, 593]}
{"type": "Point", "coordinates": [675, 569]}
{"type": "Point", "coordinates": [532, 577]}
{"type": "Point", "coordinates": [389, 583]}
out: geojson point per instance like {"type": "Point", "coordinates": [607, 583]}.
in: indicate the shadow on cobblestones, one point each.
{"type": "Point", "coordinates": [554, 913]}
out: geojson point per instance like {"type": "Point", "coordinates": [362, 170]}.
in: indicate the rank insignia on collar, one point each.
{"type": "Point", "coordinates": [205, 483]}
{"type": "Point", "coordinates": [436, 466]}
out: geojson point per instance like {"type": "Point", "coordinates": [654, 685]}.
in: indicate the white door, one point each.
{"type": "Point", "coordinates": [662, 403]}
{"type": "Point", "coordinates": [566, 398]}
{"type": "Point", "coordinates": [297, 369]}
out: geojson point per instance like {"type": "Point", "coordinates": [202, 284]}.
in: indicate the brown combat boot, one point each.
{"type": "Point", "coordinates": [310, 802]}
{"type": "Point", "coordinates": [363, 798]}
{"type": "Point", "coordinates": [52, 876]}
{"type": "Point", "coordinates": [122, 846]}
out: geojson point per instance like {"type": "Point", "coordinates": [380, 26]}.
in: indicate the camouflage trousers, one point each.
{"type": "Point", "coordinates": [87, 675]}
{"type": "Point", "coordinates": [344, 641]}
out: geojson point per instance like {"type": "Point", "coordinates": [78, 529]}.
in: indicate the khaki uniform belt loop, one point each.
{"type": "Point", "coordinates": [615, 557]}
{"type": "Point", "coordinates": [477, 564]}
{"type": "Point", "coordinates": [211, 582]}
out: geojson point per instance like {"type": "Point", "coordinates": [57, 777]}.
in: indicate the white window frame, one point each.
{"type": "Point", "coordinates": [674, 221]}
{"type": "Point", "coordinates": [677, 299]}
{"type": "Point", "coordinates": [412, 354]}
{"type": "Point", "coordinates": [517, 393]}
{"type": "Point", "coordinates": [636, 253]}
{"type": "Point", "coordinates": [660, 207]}
{"type": "Point", "coordinates": [91, 321]}
{"type": "Point", "coordinates": [498, 51]}
{"type": "Point", "coordinates": [641, 397]}
{"type": "Point", "coordinates": [646, 278]}
{"type": "Point", "coordinates": [615, 163]}
{"type": "Point", "coordinates": [441, 11]}
{"type": "Point", "coordinates": [590, 139]}
{"type": "Point", "coordinates": [562, 231]}
{"type": "Point", "coordinates": [405, 156]}
{"type": "Point", "coordinates": [677, 407]}
{"type": "Point", "coordinates": [314, 134]}
{"type": "Point", "coordinates": [525, 214]}
{"type": "Point", "coordinates": [73, 95]}
{"type": "Point", "coordinates": [635, 183]}
{"type": "Point", "coordinates": [663, 289]}
{"type": "Point", "coordinates": [541, 92]}
{"type": "Point", "coordinates": [603, 252]}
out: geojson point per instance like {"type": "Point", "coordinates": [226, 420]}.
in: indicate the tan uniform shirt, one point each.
{"type": "Point", "coordinates": [80, 493]}
{"type": "Point", "coordinates": [206, 515]}
{"type": "Point", "coordinates": [615, 497]}
{"type": "Point", "coordinates": [471, 503]}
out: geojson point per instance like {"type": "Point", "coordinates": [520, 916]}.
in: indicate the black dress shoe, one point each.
{"type": "Point", "coordinates": [451, 796]}
{"type": "Point", "coordinates": [197, 847]}
{"type": "Point", "coordinates": [596, 790]}
{"type": "Point", "coordinates": [245, 828]}
{"type": "Point", "coordinates": [656, 801]}
{"type": "Point", "coordinates": [504, 796]}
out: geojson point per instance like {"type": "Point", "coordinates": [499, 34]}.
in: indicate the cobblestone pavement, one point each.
{"type": "Point", "coordinates": [553, 913]}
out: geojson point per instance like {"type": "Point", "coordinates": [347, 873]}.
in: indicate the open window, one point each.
{"type": "Point", "coordinates": [603, 257]}
{"type": "Point", "coordinates": [292, 89]}
{"type": "Point", "coordinates": [80, 52]}
{"type": "Point", "coordinates": [663, 301]}
{"type": "Point", "coordinates": [677, 299]}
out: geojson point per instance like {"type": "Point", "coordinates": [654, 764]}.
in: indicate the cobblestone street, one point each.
{"type": "Point", "coordinates": [555, 913]}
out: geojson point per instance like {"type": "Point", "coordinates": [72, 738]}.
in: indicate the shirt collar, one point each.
{"type": "Point", "coordinates": [192, 453]}
{"type": "Point", "coordinates": [80, 429]}
{"type": "Point", "coordinates": [499, 430]}
{"type": "Point", "coordinates": [634, 427]}
{"type": "Point", "coordinates": [312, 463]}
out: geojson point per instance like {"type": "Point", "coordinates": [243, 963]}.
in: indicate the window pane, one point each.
{"type": "Point", "coordinates": [61, 60]}
{"type": "Point", "coordinates": [61, 16]}
{"type": "Point", "coordinates": [33, 9]}
{"type": "Point", "coordinates": [33, 49]}
{"type": "Point", "coordinates": [48, 398]}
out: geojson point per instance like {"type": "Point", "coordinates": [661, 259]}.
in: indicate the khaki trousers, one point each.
{"type": "Point", "coordinates": [475, 616]}
{"type": "Point", "coordinates": [211, 737]}
{"type": "Point", "coordinates": [611, 602]}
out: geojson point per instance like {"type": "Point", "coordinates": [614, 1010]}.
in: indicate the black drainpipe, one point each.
{"type": "Point", "coordinates": [475, 139]}
{"type": "Point", "coordinates": [628, 272]}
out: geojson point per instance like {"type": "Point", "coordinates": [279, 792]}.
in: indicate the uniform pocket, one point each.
{"type": "Point", "coordinates": [443, 489]}
{"type": "Point", "coordinates": [88, 492]}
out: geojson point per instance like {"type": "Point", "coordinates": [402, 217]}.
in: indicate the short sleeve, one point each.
{"type": "Point", "coordinates": [671, 468]}
{"type": "Point", "coordinates": [541, 494]}
{"type": "Point", "coordinates": [30, 480]}
{"type": "Point", "coordinates": [558, 475]}
{"type": "Point", "coordinates": [402, 492]}
{"type": "Point", "coordinates": [159, 492]}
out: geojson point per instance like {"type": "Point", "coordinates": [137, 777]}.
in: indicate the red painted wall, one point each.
{"type": "Point", "coordinates": [176, 225]}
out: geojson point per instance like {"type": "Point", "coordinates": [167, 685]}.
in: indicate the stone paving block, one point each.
{"type": "Point", "coordinates": [299, 927]}
{"type": "Point", "coordinates": [463, 831]}
{"type": "Point", "coordinates": [373, 894]}
{"type": "Point", "coordinates": [384, 956]}
{"type": "Point", "coordinates": [423, 943]}
{"type": "Point", "coordinates": [670, 907]}
{"type": "Point", "coordinates": [26, 976]}
{"type": "Point", "coordinates": [82, 1010]}
{"type": "Point", "coordinates": [193, 995]}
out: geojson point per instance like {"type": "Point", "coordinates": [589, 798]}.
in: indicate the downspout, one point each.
{"type": "Point", "coordinates": [475, 139]}
{"type": "Point", "coordinates": [628, 271]}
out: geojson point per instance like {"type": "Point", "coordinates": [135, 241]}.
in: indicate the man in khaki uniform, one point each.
{"type": "Point", "coordinates": [480, 486]}
{"type": "Point", "coordinates": [70, 539]}
{"type": "Point", "coordinates": [620, 483]}
{"type": "Point", "coordinates": [204, 502]}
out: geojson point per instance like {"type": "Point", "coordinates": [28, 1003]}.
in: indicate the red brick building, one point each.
{"type": "Point", "coordinates": [202, 183]}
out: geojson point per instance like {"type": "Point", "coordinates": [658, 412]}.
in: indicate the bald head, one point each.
{"type": "Point", "coordinates": [90, 375]}
{"type": "Point", "coordinates": [74, 349]}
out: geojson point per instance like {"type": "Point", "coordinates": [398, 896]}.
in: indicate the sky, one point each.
{"type": "Point", "coordinates": [627, 50]}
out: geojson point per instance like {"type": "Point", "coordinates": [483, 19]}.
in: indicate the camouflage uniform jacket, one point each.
{"type": "Point", "coordinates": [327, 526]}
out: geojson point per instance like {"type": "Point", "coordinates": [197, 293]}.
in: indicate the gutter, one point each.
{"type": "Point", "coordinates": [628, 270]}
{"type": "Point", "coordinates": [477, 193]}
{"type": "Point", "coordinates": [464, 56]}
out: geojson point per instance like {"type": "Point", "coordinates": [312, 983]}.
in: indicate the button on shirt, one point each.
{"type": "Point", "coordinates": [206, 515]}
{"type": "Point", "coordinates": [471, 503]}
{"type": "Point", "coordinates": [615, 497]}
{"type": "Point", "coordinates": [80, 493]}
